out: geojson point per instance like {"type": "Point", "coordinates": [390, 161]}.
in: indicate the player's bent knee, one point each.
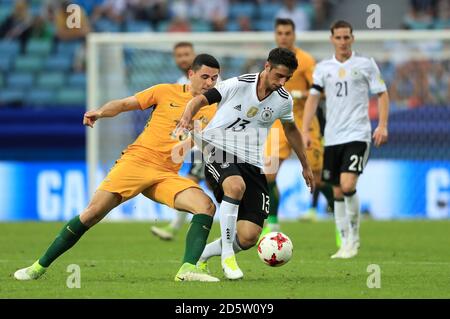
{"type": "Point", "coordinates": [205, 206]}
{"type": "Point", "coordinates": [347, 188]}
{"type": "Point", "coordinates": [234, 187]}
{"type": "Point", "coordinates": [247, 241]}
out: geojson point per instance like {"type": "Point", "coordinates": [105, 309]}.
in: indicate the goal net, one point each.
{"type": "Point", "coordinates": [415, 66]}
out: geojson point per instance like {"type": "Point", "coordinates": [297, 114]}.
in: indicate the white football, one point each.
{"type": "Point", "coordinates": [275, 249]}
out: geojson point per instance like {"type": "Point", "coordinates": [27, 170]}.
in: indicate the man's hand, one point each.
{"type": "Point", "coordinates": [306, 139]}
{"type": "Point", "coordinates": [309, 178]}
{"type": "Point", "coordinates": [90, 117]}
{"type": "Point", "coordinates": [380, 136]}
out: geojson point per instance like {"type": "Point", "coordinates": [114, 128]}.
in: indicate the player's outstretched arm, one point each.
{"type": "Point", "coordinates": [294, 138]}
{"type": "Point", "coordinates": [111, 109]}
{"type": "Point", "coordinates": [310, 110]}
{"type": "Point", "coordinates": [380, 135]}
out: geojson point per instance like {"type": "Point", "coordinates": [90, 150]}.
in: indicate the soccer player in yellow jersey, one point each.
{"type": "Point", "coordinates": [147, 166]}
{"type": "Point", "coordinates": [298, 87]}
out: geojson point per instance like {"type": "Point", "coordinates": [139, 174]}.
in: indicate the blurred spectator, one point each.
{"type": "Point", "coordinates": [179, 24]}
{"type": "Point", "coordinates": [66, 33]}
{"type": "Point", "coordinates": [113, 10]}
{"type": "Point", "coordinates": [291, 11]}
{"type": "Point", "coordinates": [420, 15]}
{"type": "Point", "coordinates": [79, 60]}
{"type": "Point", "coordinates": [245, 23]}
{"type": "Point", "coordinates": [215, 12]}
{"type": "Point", "coordinates": [153, 11]}
{"type": "Point", "coordinates": [41, 29]}
{"type": "Point", "coordinates": [322, 14]}
{"type": "Point", "coordinates": [18, 24]}
{"type": "Point", "coordinates": [442, 19]}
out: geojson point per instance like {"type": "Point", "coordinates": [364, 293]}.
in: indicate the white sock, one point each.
{"type": "Point", "coordinates": [179, 219]}
{"type": "Point", "coordinates": [352, 209]}
{"type": "Point", "coordinates": [228, 212]}
{"type": "Point", "coordinates": [215, 249]}
{"type": "Point", "coordinates": [341, 220]}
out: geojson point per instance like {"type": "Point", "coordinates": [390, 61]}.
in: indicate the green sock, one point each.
{"type": "Point", "coordinates": [327, 191]}
{"type": "Point", "coordinates": [67, 237]}
{"type": "Point", "coordinates": [196, 237]}
{"type": "Point", "coordinates": [274, 200]}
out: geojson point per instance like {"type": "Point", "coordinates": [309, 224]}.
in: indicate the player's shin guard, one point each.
{"type": "Point", "coordinates": [67, 237]}
{"type": "Point", "coordinates": [196, 237]}
{"type": "Point", "coordinates": [228, 212]}
{"type": "Point", "coordinates": [352, 209]}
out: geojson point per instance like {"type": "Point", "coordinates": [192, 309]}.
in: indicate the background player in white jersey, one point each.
{"type": "Point", "coordinates": [347, 80]}
{"type": "Point", "coordinates": [183, 55]}
{"type": "Point", "coordinates": [233, 144]}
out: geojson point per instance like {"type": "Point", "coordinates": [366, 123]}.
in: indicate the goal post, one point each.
{"type": "Point", "coordinates": [121, 64]}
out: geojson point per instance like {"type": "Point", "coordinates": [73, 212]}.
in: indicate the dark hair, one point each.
{"type": "Point", "coordinates": [341, 24]}
{"type": "Point", "coordinates": [280, 56]}
{"type": "Point", "coordinates": [183, 44]}
{"type": "Point", "coordinates": [205, 59]}
{"type": "Point", "coordinates": [284, 21]}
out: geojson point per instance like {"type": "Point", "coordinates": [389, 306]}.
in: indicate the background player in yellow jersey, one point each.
{"type": "Point", "coordinates": [183, 54]}
{"type": "Point", "coordinates": [147, 166]}
{"type": "Point", "coordinates": [298, 87]}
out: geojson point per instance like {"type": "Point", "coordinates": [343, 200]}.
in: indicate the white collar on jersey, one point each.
{"type": "Point", "coordinates": [337, 61]}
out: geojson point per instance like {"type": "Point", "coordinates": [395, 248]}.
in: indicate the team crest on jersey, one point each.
{"type": "Point", "coordinates": [252, 111]}
{"type": "Point", "coordinates": [204, 119]}
{"type": "Point", "coordinates": [266, 115]}
{"type": "Point", "coordinates": [341, 73]}
{"type": "Point", "coordinates": [355, 73]}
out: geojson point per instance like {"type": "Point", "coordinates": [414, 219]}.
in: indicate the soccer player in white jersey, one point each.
{"type": "Point", "coordinates": [233, 145]}
{"type": "Point", "coordinates": [347, 79]}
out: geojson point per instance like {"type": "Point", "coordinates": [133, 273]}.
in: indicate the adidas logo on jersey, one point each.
{"type": "Point", "coordinates": [238, 107]}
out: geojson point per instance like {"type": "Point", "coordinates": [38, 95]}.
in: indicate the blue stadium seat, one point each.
{"type": "Point", "coordinates": [5, 11]}
{"type": "Point", "coordinates": [39, 47]}
{"type": "Point", "coordinates": [5, 63]}
{"type": "Point", "coordinates": [58, 63]}
{"type": "Point", "coordinates": [11, 96]}
{"type": "Point", "coordinates": [69, 96]}
{"type": "Point", "coordinates": [137, 26]}
{"type": "Point", "coordinates": [28, 63]}
{"type": "Point", "coordinates": [20, 80]}
{"type": "Point", "coordinates": [51, 80]}
{"type": "Point", "coordinates": [105, 25]}
{"type": "Point", "coordinates": [163, 26]}
{"type": "Point", "coordinates": [77, 80]}
{"type": "Point", "coordinates": [268, 11]}
{"type": "Point", "coordinates": [242, 9]}
{"type": "Point", "coordinates": [40, 97]}
{"type": "Point", "coordinates": [263, 25]}
{"type": "Point", "coordinates": [201, 26]}
{"type": "Point", "coordinates": [67, 48]}
{"type": "Point", "coordinates": [233, 26]}
{"type": "Point", "coordinates": [9, 48]}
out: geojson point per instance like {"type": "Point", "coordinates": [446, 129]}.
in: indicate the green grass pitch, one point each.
{"type": "Point", "coordinates": [123, 260]}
